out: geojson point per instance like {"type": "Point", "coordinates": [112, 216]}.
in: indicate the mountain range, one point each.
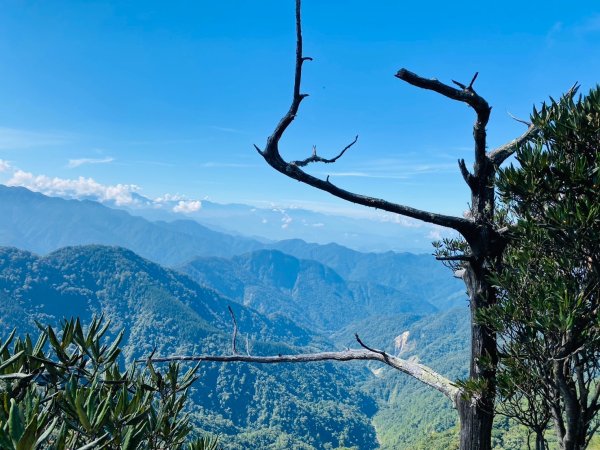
{"type": "Point", "coordinates": [170, 289]}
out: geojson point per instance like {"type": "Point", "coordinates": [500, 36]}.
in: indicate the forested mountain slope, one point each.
{"type": "Point", "coordinates": [41, 224]}
{"type": "Point", "coordinates": [160, 309]}
{"type": "Point", "coordinates": [308, 292]}
{"type": "Point", "coordinates": [421, 275]}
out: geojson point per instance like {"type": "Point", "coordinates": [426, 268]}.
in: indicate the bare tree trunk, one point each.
{"type": "Point", "coordinates": [476, 411]}
{"type": "Point", "coordinates": [540, 442]}
{"type": "Point", "coordinates": [574, 429]}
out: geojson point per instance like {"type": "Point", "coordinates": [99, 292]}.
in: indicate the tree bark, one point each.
{"type": "Point", "coordinates": [540, 442]}
{"type": "Point", "coordinates": [476, 412]}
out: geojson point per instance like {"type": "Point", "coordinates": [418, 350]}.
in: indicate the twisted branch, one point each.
{"type": "Point", "coordinates": [273, 157]}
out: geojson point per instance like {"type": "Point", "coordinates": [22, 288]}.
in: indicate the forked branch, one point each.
{"type": "Point", "coordinates": [293, 169]}
{"type": "Point", "coordinates": [316, 158]}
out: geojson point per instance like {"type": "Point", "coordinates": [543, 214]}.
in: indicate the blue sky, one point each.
{"type": "Point", "coordinates": [168, 97]}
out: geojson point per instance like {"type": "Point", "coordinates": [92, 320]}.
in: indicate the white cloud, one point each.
{"type": "Point", "coordinates": [80, 162]}
{"type": "Point", "coordinates": [435, 235]}
{"type": "Point", "coordinates": [121, 194]}
{"type": "Point", "coordinates": [4, 165]}
{"type": "Point", "coordinates": [169, 198]}
{"type": "Point", "coordinates": [554, 33]}
{"type": "Point", "coordinates": [394, 169]}
{"type": "Point", "coordinates": [187, 206]}
{"type": "Point", "coordinates": [12, 138]}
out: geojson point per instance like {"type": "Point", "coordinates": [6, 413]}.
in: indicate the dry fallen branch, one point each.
{"type": "Point", "coordinates": [419, 371]}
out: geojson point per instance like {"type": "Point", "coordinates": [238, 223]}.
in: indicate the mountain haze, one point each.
{"type": "Point", "coordinates": [309, 292]}
{"type": "Point", "coordinates": [41, 224]}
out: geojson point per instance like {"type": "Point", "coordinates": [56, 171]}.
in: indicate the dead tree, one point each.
{"type": "Point", "coordinates": [485, 243]}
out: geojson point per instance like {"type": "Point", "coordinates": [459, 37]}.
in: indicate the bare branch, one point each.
{"type": "Point", "coordinates": [317, 158]}
{"type": "Point", "coordinates": [473, 80]}
{"type": "Point", "coordinates": [524, 122]}
{"type": "Point", "coordinates": [500, 154]}
{"type": "Point", "coordinates": [419, 371]}
{"type": "Point", "coordinates": [466, 95]}
{"type": "Point", "coordinates": [467, 176]}
{"type": "Point", "coordinates": [459, 84]}
{"type": "Point", "coordinates": [363, 345]}
{"type": "Point", "coordinates": [455, 258]}
{"type": "Point", "coordinates": [273, 157]}
{"type": "Point", "coordinates": [272, 143]}
{"type": "Point", "coordinates": [235, 331]}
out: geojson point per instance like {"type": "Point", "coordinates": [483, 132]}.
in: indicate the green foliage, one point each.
{"type": "Point", "coordinates": [67, 391]}
{"type": "Point", "coordinates": [410, 414]}
{"type": "Point", "coordinates": [548, 315]}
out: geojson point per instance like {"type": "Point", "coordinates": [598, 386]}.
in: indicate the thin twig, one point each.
{"type": "Point", "coordinates": [473, 80]}
{"type": "Point", "coordinates": [363, 345]}
{"type": "Point", "coordinates": [316, 158]}
{"type": "Point", "coordinates": [524, 122]}
{"type": "Point", "coordinates": [235, 331]}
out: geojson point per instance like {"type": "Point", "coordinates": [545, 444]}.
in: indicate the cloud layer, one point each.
{"type": "Point", "coordinates": [81, 187]}
{"type": "Point", "coordinates": [187, 206]}
{"type": "Point", "coordinates": [121, 194]}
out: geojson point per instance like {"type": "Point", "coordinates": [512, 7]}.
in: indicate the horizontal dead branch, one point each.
{"type": "Point", "coordinates": [455, 258]}
{"type": "Point", "coordinates": [466, 94]}
{"type": "Point", "coordinates": [419, 371]}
